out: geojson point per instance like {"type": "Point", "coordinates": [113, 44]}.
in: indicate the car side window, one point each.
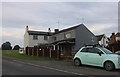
{"type": "Point", "coordinates": [84, 50]}
{"type": "Point", "coordinates": [94, 50]}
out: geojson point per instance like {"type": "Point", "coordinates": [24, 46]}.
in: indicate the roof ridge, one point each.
{"type": "Point", "coordinates": [36, 31]}
{"type": "Point", "coordinates": [69, 28]}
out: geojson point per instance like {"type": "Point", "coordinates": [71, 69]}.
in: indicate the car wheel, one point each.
{"type": "Point", "coordinates": [77, 62]}
{"type": "Point", "coordinates": [109, 66]}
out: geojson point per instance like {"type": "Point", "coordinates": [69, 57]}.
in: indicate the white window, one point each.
{"type": "Point", "coordinates": [45, 37]}
{"type": "Point", "coordinates": [68, 35]}
{"type": "Point", "coordinates": [93, 39]}
{"type": "Point", "coordinates": [35, 37]}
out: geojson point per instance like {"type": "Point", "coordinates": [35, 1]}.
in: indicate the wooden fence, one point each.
{"type": "Point", "coordinates": [43, 51]}
{"type": "Point", "coordinates": [48, 52]}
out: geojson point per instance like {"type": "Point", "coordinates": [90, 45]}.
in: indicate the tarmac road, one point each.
{"type": "Point", "coordinates": [17, 68]}
{"type": "Point", "coordinates": [21, 67]}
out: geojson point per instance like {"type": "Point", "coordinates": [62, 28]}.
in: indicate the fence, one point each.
{"type": "Point", "coordinates": [43, 51]}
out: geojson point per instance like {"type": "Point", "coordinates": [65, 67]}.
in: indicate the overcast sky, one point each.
{"type": "Point", "coordinates": [98, 17]}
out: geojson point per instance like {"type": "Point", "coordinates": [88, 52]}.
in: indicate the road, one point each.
{"type": "Point", "coordinates": [15, 68]}
{"type": "Point", "coordinates": [21, 67]}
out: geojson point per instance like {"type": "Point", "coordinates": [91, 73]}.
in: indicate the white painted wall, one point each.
{"type": "Point", "coordinates": [28, 40]}
{"type": "Point", "coordinates": [104, 41]}
{"type": "Point", "coordinates": [36, 42]}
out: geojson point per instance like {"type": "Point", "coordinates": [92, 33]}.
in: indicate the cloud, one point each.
{"type": "Point", "coordinates": [98, 17]}
{"type": "Point", "coordinates": [103, 28]}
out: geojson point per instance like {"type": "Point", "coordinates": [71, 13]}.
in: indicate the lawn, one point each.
{"type": "Point", "coordinates": [15, 54]}
{"type": "Point", "coordinates": [0, 52]}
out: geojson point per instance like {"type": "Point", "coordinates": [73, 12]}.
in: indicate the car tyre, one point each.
{"type": "Point", "coordinates": [109, 66]}
{"type": "Point", "coordinates": [77, 62]}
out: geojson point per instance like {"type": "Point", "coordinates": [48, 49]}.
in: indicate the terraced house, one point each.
{"type": "Point", "coordinates": [66, 40]}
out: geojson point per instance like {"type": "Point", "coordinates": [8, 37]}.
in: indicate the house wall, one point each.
{"type": "Point", "coordinates": [104, 41]}
{"type": "Point", "coordinates": [83, 36]}
{"type": "Point", "coordinates": [26, 39]}
{"type": "Point", "coordinates": [112, 39]}
{"type": "Point", "coordinates": [36, 42]}
{"type": "Point", "coordinates": [29, 42]}
{"type": "Point", "coordinates": [117, 38]}
{"type": "Point", "coordinates": [61, 36]}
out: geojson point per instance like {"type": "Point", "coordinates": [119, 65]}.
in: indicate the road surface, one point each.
{"type": "Point", "coordinates": [20, 67]}
{"type": "Point", "coordinates": [15, 68]}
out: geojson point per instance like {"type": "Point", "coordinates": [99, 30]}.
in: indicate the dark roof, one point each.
{"type": "Point", "coordinates": [71, 28]}
{"type": "Point", "coordinates": [99, 37]}
{"type": "Point", "coordinates": [38, 33]}
{"type": "Point", "coordinates": [47, 33]}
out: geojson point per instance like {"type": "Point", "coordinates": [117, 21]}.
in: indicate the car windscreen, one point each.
{"type": "Point", "coordinates": [106, 51]}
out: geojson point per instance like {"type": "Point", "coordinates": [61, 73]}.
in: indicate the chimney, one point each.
{"type": "Point", "coordinates": [113, 38]}
{"type": "Point", "coordinates": [113, 33]}
{"type": "Point", "coordinates": [49, 30]}
{"type": "Point", "coordinates": [27, 28]}
{"type": "Point", "coordinates": [56, 30]}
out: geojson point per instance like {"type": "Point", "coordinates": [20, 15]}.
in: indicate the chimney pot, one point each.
{"type": "Point", "coordinates": [56, 30]}
{"type": "Point", "coordinates": [113, 33]}
{"type": "Point", "coordinates": [49, 30]}
{"type": "Point", "coordinates": [27, 28]}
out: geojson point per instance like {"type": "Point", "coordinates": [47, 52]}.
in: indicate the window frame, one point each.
{"type": "Point", "coordinates": [87, 51]}
{"type": "Point", "coordinates": [45, 37]}
{"type": "Point", "coordinates": [35, 37]}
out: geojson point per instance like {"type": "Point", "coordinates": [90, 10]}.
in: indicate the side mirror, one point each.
{"type": "Point", "coordinates": [99, 53]}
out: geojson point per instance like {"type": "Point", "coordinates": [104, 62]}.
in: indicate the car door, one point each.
{"type": "Point", "coordinates": [84, 56]}
{"type": "Point", "coordinates": [94, 58]}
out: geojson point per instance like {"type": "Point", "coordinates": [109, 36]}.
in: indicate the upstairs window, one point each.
{"type": "Point", "coordinates": [35, 37]}
{"type": "Point", "coordinates": [68, 35]}
{"type": "Point", "coordinates": [55, 38]}
{"type": "Point", "coordinates": [45, 37]}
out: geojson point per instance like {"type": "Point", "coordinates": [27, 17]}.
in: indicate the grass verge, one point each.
{"type": "Point", "coordinates": [0, 52]}
{"type": "Point", "coordinates": [15, 54]}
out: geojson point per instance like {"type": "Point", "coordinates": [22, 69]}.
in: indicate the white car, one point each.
{"type": "Point", "coordinates": [21, 51]}
{"type": "Point", "coordinates": [97, 56]}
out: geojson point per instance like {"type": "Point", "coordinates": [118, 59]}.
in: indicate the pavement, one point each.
{"type": "Point", "coordinates": [12, 66]}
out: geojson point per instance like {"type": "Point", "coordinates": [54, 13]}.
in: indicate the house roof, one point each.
{"type": "Point", "coordinates": [71, 28]}
{"type": "Point", "coordinates": [118, 34]}
{"type": "Point", "coordinates": [99, 37]}
{"type": "Point", "coordinates": [38, 33]}
{"type": "Point", "coordinates": [47, 33]}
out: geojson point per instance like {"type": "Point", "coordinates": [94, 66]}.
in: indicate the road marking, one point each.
{"type": "Point", "coordinates": [47, 67]}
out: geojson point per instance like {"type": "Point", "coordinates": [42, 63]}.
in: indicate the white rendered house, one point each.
{"type": "Point", "coordinates": [103, 40]}
{"type": "Point", "coordinates": [32, 38]}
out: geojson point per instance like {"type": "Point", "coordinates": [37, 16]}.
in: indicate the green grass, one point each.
{"type": "Point", "coordinates": [15, 54]}
{"type": "Point", "coordinates": [0, 52]}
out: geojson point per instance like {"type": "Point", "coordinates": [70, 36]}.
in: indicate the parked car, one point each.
{"type": "Point", "coordinates": [97, 56]}
{"type": "Point", "coordinates": [117, 52]}
{"type": "Point", "coordinates": [21, 51]}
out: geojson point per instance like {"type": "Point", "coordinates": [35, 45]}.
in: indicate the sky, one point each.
{"type": "Point", "coordinates": [98, 17]}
